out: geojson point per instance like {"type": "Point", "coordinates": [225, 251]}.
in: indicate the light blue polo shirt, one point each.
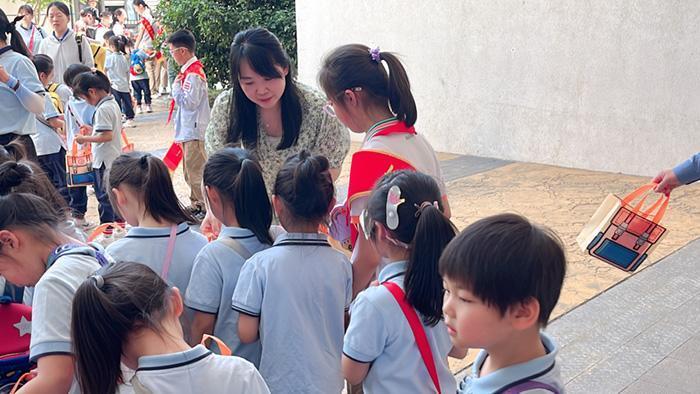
{"type": "Point", "coordinates": [300, 288]}
{"type": "Point", "coordinates": [380, 334]}
{"type": "Point", "coordinates": [214, 277]}
{"type": "Point", "coordinates": [542, 374]}
{"type": "Point", "coordinates": [14, 118]}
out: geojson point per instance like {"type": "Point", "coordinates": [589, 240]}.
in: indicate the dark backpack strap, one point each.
{"type": "Point", "coordinates": [79, 41]}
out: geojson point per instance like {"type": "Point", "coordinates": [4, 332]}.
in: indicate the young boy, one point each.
{"type": "Point", "coordinates": [190, 94]}
{"type": "Point", "coordinates": [502, 277]}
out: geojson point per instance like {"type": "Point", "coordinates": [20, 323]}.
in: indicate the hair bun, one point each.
{"type": "Point", "coordinates": [12, 174]}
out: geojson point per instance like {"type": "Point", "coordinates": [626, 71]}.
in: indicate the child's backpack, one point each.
{"type": "Point", "coordinates": [15, 331]}
{"type": "Point", "coordinates": [138, 64]}
{"type": "Point", "coordinates": [55, 98]}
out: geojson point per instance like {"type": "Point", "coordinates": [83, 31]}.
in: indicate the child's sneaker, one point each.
{"type": "Point", "coordinates": [128, 124]}
{"type": "Point", "coordinates": [148, 108]}
{"type": "Point", "coordinates": [139, 109]}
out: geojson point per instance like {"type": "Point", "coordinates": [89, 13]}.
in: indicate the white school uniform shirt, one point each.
{"type": "Point", "coordinates": [117, 68]}
{"type": "Point", "coordinates": [146, 41]}
{"type": "Point", "coordinates": [14, 117]}
{"type": "Point", "coordinates": [380, 335]}
{"type": "Point", "coordinates": [214, 278]}
{"type": "Point", "coordinates": [192, 98]}
{"type": "Point", "coordinates": [541, 370]}
{"type": "Point", "coordinates": [46, 140]}
{"type": "Point", "coordinates": [196, 370]}
{"type": "Point", "coordinates": [33, 31]}
{"type": "Point", "coordinates": [107, 117]}
{"type": "Point", "coordinates": [118, 29]}
{"type": "Point", "coordinates": [413, 148]}
{"type": "Point", "coordinates": [52, 303]}
{"type": "Point", "coordinates": [300, 288]}
{"type": "Point", "coordinates": [64, 52]}
{"type": "Point", "coordinates": [76, 112]}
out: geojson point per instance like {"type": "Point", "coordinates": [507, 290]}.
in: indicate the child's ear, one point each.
{"type": "Point", "coordinates": [8, 240]}
{"type": "Point", "coordinates": [119, 196]}
{"type": "Point", "coordinates": [525, 314]}
{"type": "Point", "coordinates": [176, 304]}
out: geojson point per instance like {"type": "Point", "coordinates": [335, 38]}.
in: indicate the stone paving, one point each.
{"type": "Point", "coordinates": [561, 198]}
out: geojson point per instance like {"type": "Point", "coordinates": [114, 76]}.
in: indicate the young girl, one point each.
{"type": "Point", "coordinates": [131, 315]}
{"type": "Point", "coordinates": [235, 192]}
{"type": "Point", "coordinates": [49, 140]}
{"type": "Point", "coordinates": [117, 68]}
{"type": "Point", "coordinates": [20, 89]}
{"type": "Point", "coordinates": [35, 252]}
{"type": "Point", "coordinates": [141, 189]}
{"type": "Point", "coordinates": [405, 223]}
{"type": "Point", "coordinates": [119, 22]}
{"type": "Point", "coordinates": [31, 33]}
{"type": "Point", "coordinates": [104, 134]}
{"type": "Point", "coordinates": [295, 293]}
{"type": "Point", "coordinates": [369, 100]}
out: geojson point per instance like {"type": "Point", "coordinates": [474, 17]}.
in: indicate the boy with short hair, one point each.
{"type": "Point", "coordinates": [191, 95]}
{"type": "Point", "coordinates": [503, 276]}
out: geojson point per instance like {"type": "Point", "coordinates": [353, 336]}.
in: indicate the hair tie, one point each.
{"type": "Point", "coordinates": [423, 205]}
{"type": "Point", "coordinates": [143, 160]}
{"type": "Point", "coordinates": [99, 281]}
{"type": "Point", "coordinates": [375, 54]}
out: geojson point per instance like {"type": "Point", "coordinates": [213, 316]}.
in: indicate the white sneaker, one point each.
{"type": "Point", "coordinates": [148, 108]}
{"type": "Point", "coordinates": [128, 124]}
{"type": "Point", "coordinates": [139, 110]}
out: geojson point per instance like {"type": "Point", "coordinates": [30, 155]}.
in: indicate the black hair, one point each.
{"type": "Point", "coordinates": [95, 79]}
{"type": "Point", "coordinates": [16, 41]}
{"type": "Point", "coordinates": [424, 229]}
{"type": "Point", "coordinates": [72, 72]}
{"type": "Point", "coordinates": [61, 7]}
{"type": "Point", "coordinates": [305, 185]}
{"type": "Point", "coordinates": [29, 212]}
{"type": "Point", "coordinates": [141, 3]}
{"type": "Point", "coordinates": [182, 38]}
{"type": "Point", "coordinates": [43, 64]}
{"type": "Point", "coordinates": [351, 66]}
{"type": "Point", "coordinates": [147, 175]}
{"type": "Point", "coordinates": [118, 42]}
{"type": "Point", "coordinates": [119, 12]}
{"type": "Point", "coordinates": [26, 8]}
{"type": "Point", "coordinates": [505, 259]}
{"type": "Point", "coordinates": [89, 11]}
{"type": "Point", "coordinates": [110, 33]}
{"type": "Point", "coordinates": [14, 151]}
{"type": "Point", "coordinates": [25, 176]}
{"type": "Point", "coordinates": [239, 180]}
{"type": "Point", "coordinates": [263, 51]}
{"type": "Point", "coordinates": [126, 296]}
{"type": "Point", "coordinates": [105, 13]}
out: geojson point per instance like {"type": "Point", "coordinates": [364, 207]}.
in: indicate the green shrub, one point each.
{"type": "Point", "coordinates": [215, 23]}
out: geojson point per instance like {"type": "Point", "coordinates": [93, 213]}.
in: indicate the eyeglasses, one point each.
{"type": "Point", "coordinates": [328, 108]}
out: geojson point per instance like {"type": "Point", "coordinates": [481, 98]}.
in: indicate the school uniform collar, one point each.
{"type": "Point", "coordinates": [173, 360]}
{"type": "Point", "coordinates": [188, 64]}
{"type": "Point", "coordinates": [103, 100]}
{"type": "Point", "coordinates": [63, 38]}
{"type": "Point", "coordinates": [312, 239]}
{"type": "Point", "coordinates": [392, 270]}
{"type": "Point", "coordinates": [235, 233]}
{"type": "Point", "coordinates": [31, 26]}
{"type": "Point", "coordinates": [156, 232]}
{"type": "Point", "coordinates": [500, 380]}
{"type": "Point", "coordinates": [379, 126]}
{"type": "Point", "coordinates": [5, 50]}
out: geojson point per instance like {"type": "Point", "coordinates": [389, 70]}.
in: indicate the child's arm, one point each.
{"type": "Point", "coordinates": [365, 261]}
{"type": "Point", "coordinates": [33, 102]}
{"type": "Point", "coordinates": [203, 323]}
{"type": "Point", "coordinates": [100, 136]}
{"type": "Point", "coordinates": [354, 371]}
{"type": "Point", "coordinates": [54, 374]}
{"type": "Point", "coordinates": [248, 327]}
{"type": "Point", "coordinates": [190, 93]}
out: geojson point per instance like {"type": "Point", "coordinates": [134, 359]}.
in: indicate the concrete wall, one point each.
{"type": "Point", "coordinates": [604, 85]}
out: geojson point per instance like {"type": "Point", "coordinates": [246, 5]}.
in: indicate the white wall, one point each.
{"type": "Point", "coordinates": [604, 85]}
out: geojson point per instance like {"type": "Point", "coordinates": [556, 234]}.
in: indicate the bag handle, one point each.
{"type": "Point", "coordinates": [24, 376]}
{"type": "Point", "coordinates": [418, 331]}
{"type": "Point", "coordinates": [225, 350]}
{"type": "Point", "coordinates": [638, 192]}
{"type": "Point", "coordinates": [236, 247]}
{"type": "Point", "coordinates": [169, 253]}
{"type": "Point", "coordinates": [124, 139]}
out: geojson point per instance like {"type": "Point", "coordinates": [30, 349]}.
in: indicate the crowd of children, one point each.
{"type": "Point", "coordinates": [299, 314]}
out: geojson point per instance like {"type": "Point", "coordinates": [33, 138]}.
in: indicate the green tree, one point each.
{"type": "Point", "coordinates": [214, 23]}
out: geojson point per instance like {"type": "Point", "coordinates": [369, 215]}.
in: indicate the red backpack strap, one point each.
{"type": "Point", "coordinates": [417, 329]}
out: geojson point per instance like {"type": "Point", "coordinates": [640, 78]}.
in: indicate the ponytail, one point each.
{"type": "Point", "coordinates": [356, 65]}
{"type": "Point", "coordinates": [14, 151]}
{"type": "Point", "coordinates": [306, 187]}
{"type": "Point", "coordinates": [25, 176]}
{"type": "Point", "coordinates": [16, 40]}
{"type": "Point", "coordinates": [239, 181]}
{"type": "Point", "coordinates": [148, 177]}
{"type": "Point", "coordinates": [424, 229]}
{"type": "Point", "coordinates": [107, 307]}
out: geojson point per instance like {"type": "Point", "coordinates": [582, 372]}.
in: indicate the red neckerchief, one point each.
{"type": "Point", "coordinates": [31, 39]}
{"type": "Point", "coordinates": [151, 33]}
{"type": "Point", "coordinates": [196, 68]}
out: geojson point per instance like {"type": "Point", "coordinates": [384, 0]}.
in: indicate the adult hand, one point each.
{"type": "Point", "coordinates": [4, 76]}
{"type": "Point", "coordinates": [667, 181]}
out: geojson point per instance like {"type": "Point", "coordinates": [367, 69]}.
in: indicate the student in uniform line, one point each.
{"type": "Point", "coordinates": [119, 22]}
{"type": "Point", "coordinates": [31, 33]}
{"type": "Point", "coordinates": [21, 96]}
{"type": "Point", "coordinates": [35, 252]}
{"type": "Point", "coordinates": [503, 276]}
{"type": "Point", "coordinates": [89, 17]}
{"type": "Point", "coordinates": [293, 296]}
{"type": "Point", "coordinates": [404, 221]}
{"type": "Point", "coordinates": [191, 96]}
{"type": "Point", "coordinates": [139, 80]}
{"type": "Point", "coordinates": [63, 46]}
{"type": "Point", "coordinates": [369, 92]}
{"type": "Point", "coordinates": [128, 312]}
{"type": "Point", "coordinates": [140, 187]}
{"type": "Point", "coordinates": [50, 137]}
{"type": "Point", "coordinates": [77, 112]}
{"type": "Point", "coordinates": [104, 134]}
{"type": "Point", "coordinates": [104, 26]}
{"type": "Point", "coordinates": [235, 193]}
{"type": "Point", "coordinates": [117, 68]}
